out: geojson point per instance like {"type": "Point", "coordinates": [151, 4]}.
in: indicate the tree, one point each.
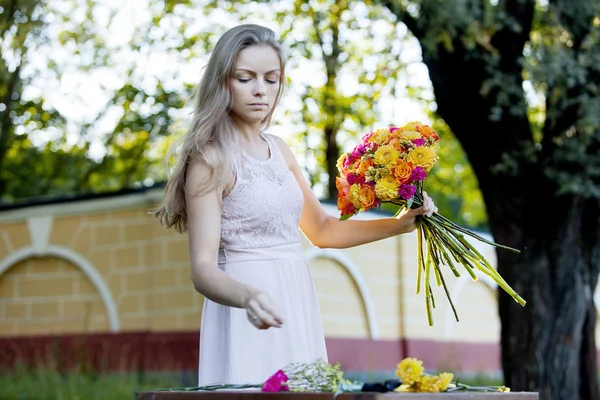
{"type": "Point", "coordinates": [538, 166]}
{"type": "Point", "coordinates": [43, 152]}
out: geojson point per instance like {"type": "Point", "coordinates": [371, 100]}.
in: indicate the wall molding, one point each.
{"type": "Point", "coordinates": [346, 262]}
{"type": "Point", "coordinates": [88, 269]}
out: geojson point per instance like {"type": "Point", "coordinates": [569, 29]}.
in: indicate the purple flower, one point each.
{"type": "Point", "coordinates": [418, 174]}
{"type": "Point", "coordinates": [418, 142]}
{"type": "Point", "coordinates": [276, 383]}
{"type": "Point", "coordinates": [393, 128]}
{"type": "Point", "coordinates": [367, 136]}
{"type": "Point", "coordinates": [358, 151]}
{"type": "Point", "coordinates": [406, 191]}
{"type": "Point", "coordinates": [353, 178]}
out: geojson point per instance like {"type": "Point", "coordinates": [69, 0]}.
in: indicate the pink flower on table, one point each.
{"type": "Point", "coordinates": [276, 383]}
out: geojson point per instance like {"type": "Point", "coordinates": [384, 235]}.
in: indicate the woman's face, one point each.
{"type": "Point", "coordinates": [254, 83]}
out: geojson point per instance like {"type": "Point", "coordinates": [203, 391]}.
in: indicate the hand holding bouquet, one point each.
{"type": "Point", "coordinates": [389, 165]}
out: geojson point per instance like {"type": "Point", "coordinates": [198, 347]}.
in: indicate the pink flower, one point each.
{"type": "Point", "coordinates": [406, 191]}
{"type": "Point", "coordinates": [418, 174]}
{"type": "Point", "coordinates": [354, 178]}
{"type": "Point", "coordinates": [418, 142]}
{"type": "Point", "coordinates": [393, 128]}
{"type": "Point", "coordinates": [276, 383]}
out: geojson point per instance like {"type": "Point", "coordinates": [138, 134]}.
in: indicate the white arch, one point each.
{"type": "Point", "coordinates": [78, 260]}
{"type": "Point", "coordinates": [345, 261]}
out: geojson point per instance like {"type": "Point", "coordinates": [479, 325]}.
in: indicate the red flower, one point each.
{"type": "Point", "coordinates": [276, 383]}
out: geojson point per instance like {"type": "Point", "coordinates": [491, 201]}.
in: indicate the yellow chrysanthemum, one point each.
{"type": "Point", "coordinates": [380, 136]}
{"type": "Point", "coordinates": [406, 389]}
{"type": "Point", "coordinates": [355, 195]}
{"type": "Point", "coordinates": [410, 369]}
{"type": "Point", "coordinates": [504, 389]}
{"type": "Point", "coordinates": [386, 156]}
{"type": "Point", "coordinates": [445, 379]}
{"type": "Point", "coordinates": [386, 188]}
{"type": "Point", "coordinates": [429, 384]}
{"type": "Point", "coordinates": [409, 135]}
{"type": "Point", "coordinates": [424, 157]}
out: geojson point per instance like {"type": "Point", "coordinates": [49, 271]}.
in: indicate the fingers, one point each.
{"type": "Point", "coordinates": [262, 313]}
{"type": "Point", "coordinates": [428, 208]}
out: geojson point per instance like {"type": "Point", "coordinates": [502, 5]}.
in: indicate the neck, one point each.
{"type": "Point", "coordinates": [249, 132]}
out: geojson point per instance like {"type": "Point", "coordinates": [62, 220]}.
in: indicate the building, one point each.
{"type": "Point", "coordinates": [98, 272]}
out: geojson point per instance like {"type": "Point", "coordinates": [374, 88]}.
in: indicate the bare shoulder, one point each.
{"type": "Point", "coordinates": [200, 170]}
{"type": "Point", "coordinates": [288, 155]}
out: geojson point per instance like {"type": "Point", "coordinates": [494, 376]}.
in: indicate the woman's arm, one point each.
{"type": "Point", "coordinates": [325, 231]}
{"type": "Point", "coordinates": [204, 235]}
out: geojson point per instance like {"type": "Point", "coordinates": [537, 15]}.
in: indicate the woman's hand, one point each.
{"type": "Point", "coordinates": [261, 311]}
{"type": "Point", "coordinates": [407, 217]}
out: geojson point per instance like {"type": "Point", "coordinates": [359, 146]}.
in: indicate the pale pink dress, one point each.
{"type": "Point", "coordinates": [260, 246]}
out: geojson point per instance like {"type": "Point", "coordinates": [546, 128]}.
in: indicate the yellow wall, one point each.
{"type": "Point", "coordinates": [105, 264]}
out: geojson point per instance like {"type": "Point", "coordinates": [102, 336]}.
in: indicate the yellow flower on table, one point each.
{"type": "Point", "coordinates": [410, 370]}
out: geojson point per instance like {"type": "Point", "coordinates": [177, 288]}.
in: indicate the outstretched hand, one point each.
{"type": "Point", "coordinates": [407, 217]}
{"type": "Point", "coordinates": [262, 313]}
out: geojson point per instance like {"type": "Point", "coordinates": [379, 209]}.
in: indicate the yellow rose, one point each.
{"type": "Point", "coordinates": [366, 196]}
{"type": "Point", "coordinates": [424, 157]}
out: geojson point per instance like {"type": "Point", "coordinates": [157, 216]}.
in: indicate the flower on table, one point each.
{"type": "Point", "coordinates": [276, 383]}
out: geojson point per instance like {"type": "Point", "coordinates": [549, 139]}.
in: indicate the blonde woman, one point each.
{"type": "Point", "coordinates": [240, 195]}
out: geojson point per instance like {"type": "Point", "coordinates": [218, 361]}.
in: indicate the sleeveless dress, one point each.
{"type": "Point", "coordinates": [261, 246]}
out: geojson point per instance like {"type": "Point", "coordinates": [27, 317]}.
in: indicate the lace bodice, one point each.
{"type": "Point", "coordinates": [263, 208]}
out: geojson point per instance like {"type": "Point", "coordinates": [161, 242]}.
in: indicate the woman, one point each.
{"type": "Point", "coordinates": [240, 195]}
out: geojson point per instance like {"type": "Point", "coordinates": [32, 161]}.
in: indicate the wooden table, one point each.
{"type": "Point", "coordinates": [256, 395]}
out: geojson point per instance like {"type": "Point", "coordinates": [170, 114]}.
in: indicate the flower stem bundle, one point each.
{"type": "Point", "coordinates": [390, 165]}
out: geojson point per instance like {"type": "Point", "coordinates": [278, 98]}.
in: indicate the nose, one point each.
{"type": "Point", "coordinates": [260, 89]}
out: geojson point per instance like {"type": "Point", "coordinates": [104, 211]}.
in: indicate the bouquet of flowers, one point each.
{"type": "Point", "coordinates": [389, 165]}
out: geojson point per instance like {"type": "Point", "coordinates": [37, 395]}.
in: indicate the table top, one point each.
{"type": "Point", "coordinates": [256, 395]}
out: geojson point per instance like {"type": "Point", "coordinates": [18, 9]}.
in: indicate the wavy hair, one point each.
{"type": "Point", "coordinates": [212, 126]}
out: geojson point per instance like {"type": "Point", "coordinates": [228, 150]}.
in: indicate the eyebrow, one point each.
{"type": "Point", "coordinates": [252, 72]}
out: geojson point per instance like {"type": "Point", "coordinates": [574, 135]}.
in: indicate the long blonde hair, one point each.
{"type": "Point", "coordinates": [211, 123]}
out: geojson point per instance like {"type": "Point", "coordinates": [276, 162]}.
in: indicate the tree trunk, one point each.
{"type": "Point", "coordinates": [332, 153]}
{"type": "Point", "coordinates": [548, 345]}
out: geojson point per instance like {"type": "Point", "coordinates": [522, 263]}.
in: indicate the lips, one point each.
{"type": "Point", "coordinates": [258, 104]}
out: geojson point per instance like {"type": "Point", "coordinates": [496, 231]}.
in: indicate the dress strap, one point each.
{"type": "Point", "coordinates": [276, 153]}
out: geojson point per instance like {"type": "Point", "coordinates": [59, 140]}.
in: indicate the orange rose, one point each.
{"type": "Point", "coordinates": [344, 204]}
{"type": "Point", "coordinates": [427, 132]}
{"type": "Point", "coordinates": [366, 196]}
{"type": "Point", "coordinates": [364, 166]}
{"type": "Point", "coordinates": [402, 171]}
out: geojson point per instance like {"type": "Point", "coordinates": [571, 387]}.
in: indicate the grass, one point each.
{"type": "Point", "coordinates": [49, 384]}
